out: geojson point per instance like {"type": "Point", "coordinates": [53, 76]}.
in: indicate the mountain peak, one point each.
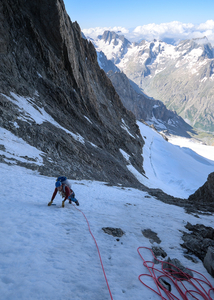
{"type": "Point", "coordinates": [109, 36]}
{"type": "Point", "coordinates": [203, 40]}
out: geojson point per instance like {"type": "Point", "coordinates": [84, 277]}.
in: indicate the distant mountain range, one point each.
{"type": "Point", "coordinates": [180, 76]}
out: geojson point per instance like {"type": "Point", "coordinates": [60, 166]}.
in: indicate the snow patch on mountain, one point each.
{"type": "Point", "coordinates": [30, 112]}
{"type": "Point", "coordinates": [14, 148]}
{"type": "Point", "coordinates": [154, 54]}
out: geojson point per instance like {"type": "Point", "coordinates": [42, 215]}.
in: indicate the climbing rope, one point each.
{"type": "Point", "coordinates": [97, 251]}
{"type": "Point", "coordinates": [170, 278]}
{"type": "Point", "coordinates": [167, 279]}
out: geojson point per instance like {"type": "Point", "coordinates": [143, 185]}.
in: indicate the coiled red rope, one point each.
{"type": "Point", "coordinates": [97, 251]}
{"type": "Point", "coordinates": [182, 284]}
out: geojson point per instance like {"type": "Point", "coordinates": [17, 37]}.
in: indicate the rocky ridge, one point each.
{"type": "Point", "coordinates": [205, 194]}
{"type": "Point", "coordinates": [55, 98]}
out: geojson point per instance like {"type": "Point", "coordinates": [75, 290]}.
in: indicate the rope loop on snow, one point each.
{"type": "Point", "coordinates": [97, 251]}
{"type": "Point", "coordinates": [181, 282]}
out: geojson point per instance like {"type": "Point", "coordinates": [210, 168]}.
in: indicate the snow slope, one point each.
{"type": "Point", "coordinates": [48, 252]}
{"type": "Point", "coordinates": [198, 147]}
{"type": "Point", "coordinates": [178, 171]}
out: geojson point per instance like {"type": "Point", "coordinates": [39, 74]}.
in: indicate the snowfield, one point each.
{"type": "Point", "coordinates": [177, 170]}
{"type": "Point", "coordinates": [48, 252]}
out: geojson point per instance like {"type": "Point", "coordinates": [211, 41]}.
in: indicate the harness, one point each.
{"type": "Point", "coordinates": [63, 192]}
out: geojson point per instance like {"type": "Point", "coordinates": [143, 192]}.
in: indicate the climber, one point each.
{"type": "Point", "coordinates": [66, 193]}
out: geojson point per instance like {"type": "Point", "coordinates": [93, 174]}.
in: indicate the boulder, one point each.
{"type": "Point", "coordinates": [118, 232]}
{"type": "Point", "coordinates": [209, 261]}
{"type": "Point", "coordinates": [198, 240]}
{"type": "Point", "coordinates": [176, 269]}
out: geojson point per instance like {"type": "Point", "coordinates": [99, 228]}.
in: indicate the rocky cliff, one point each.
{"type": "Point", "coordinates": [55, 97]}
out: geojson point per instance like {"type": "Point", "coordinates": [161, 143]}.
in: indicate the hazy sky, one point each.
{"type": "Point", "coordinates": [133, 13]}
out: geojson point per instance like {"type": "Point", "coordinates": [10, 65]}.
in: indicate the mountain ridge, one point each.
{"type": "Point", "coordinates": [179, 75]}
{"type": "Point", "coordinates": [145, 108]}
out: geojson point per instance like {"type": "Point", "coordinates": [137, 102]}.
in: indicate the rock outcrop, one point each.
{"type": "Point", "coordinates": [205, 194]}
{"type": "Point", "coordinates": [198, 239]}
{"type": "Point", "coordinates": [200, 243]}
{"type": "Point", "coordinates": [46, 66]}
{"type": "Point", "coordinates": [118, 232]}
{"type": "Point", "coordinates": [209, 261]}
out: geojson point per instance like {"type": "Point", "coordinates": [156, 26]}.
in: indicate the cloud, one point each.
{"type": "Point", "coordinates": [172, 31]}
{"type": "Point", "coordinates": [208, 25]}
{"type": "Point", "coordinates": [94, 32]}
{"type": "Point", "coordinates": [207, 29]}
{"type": "Point", "coordinates": [158, 31]}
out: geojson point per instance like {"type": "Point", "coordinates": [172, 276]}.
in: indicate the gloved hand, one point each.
{"type": "Point", "coordinates": [49, 204]}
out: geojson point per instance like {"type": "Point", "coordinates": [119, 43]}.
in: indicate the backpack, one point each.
{"type": "Point", "coordinates": [64, 180]}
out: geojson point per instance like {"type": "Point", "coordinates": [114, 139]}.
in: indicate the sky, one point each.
{"type": "Point", "coordinates": [181, 19]}
{"type": "Point", "coordinates": [135, 13]}
{"type": "Point", "coordinates": [47, 252]}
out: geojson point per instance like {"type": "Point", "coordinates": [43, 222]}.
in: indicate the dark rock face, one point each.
{"type": "Point", "coordinates": [205, 194]}
{"type": "Point", "coordinates": [198, 240]}
{"type": "Point", "coordinates": [106, 64]}
{"type": "Point", "coordinates": [45, 60]}
{"type": "Point", "coordinates": [209, 261]}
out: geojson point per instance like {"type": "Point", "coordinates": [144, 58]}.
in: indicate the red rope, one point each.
{"type": "Point", "coordinates": [97, 251]}
{"type": "Point", "coordinates": [185, 284]}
